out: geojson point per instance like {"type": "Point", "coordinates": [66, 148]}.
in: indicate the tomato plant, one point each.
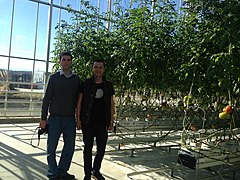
{"type": "Point", "coordinates": [153, 47]}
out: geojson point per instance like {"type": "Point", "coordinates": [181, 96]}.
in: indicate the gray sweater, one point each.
{"type": "Point", "coordinates": [61, 95]}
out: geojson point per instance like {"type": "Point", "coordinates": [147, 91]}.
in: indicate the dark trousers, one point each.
{"type": "Point", "coordinates": [101, 135]}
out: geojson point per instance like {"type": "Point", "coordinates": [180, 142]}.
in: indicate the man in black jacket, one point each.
{"type": "Point", "coordinates": [60, 100]}
{"type": "Point", "coordinates": [95, 111]}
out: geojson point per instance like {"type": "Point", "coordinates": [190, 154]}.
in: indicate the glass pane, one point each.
{"type": "Point", "coordinates": [5, 24]}
{"type": "Point", "coordinates": [18, 86]}
{"type": "Point", "coordinates": [24, 28]}
{"type": "Point", "coordinates": [66, 16]}
{"type": "Point", "coordinates": [50, 70]}
{"type": "Point", "coordinates": [73, 4]}
{"type": "Point", "coordinates": [18, 112]}
{"type": "Point", "coordinates": [42, 32]}
{"type": "Point", "coordinates": [57, 2]}
{"type": "Point", "coordinates": [39, 74]}
{"type": "Point", "coordinates": [3, 62]}
{"type": "Point", "coordinates": [3, 83]}
{"type": "Point", "coordinates": [40, 66]}
{"type": "Point", "coordinates": [23, 91]}
{"type": "Point", "coordinates": [95, 2]}
{"type": "Point", "coordinates": [19, 105]}
{"type": "Point", "coordinates": [126, 4]}
{"type": "Point", "coordinates": [2, 105]}
{"type": "Point", "coordinates": [36, 106]}
{"type": "Point", "coordinates": [20, 79]}
{"type": "Point", "coordinates": [135, 4]}
{"type": "Point", "coordinates": [55, 21]}
{"type": "Point", "coordinates": [20, 64]}
{"type": "Point", "coordinates": [37, 98]}
{"type": "Point", "coordinates": [103, 6]}
{"type": "Point", "coordinates": [18, 96]}
{"type": "Point", "coordinates": [3, 89]}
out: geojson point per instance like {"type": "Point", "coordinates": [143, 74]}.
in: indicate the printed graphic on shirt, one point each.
{"type": "Point", "coordinates": [99, 93]}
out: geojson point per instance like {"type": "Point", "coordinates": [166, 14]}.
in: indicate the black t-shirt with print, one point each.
{"type": "Point", "coordinates": [97, 112]}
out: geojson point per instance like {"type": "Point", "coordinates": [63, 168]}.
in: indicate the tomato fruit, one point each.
{"type": "Point", "coordinates": [224, 115]}
{"type": "Point", "coordinates": [149, 115]}
{"type": "Point", "coordinates": [228, 109]}
{"type": "Point", "coordinates": [193, 127]}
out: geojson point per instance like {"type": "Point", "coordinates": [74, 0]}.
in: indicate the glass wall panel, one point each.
{"type": "Point", "coordinates": [3, 79]}
{"type": "Point", "coordinates": [20, 64]}
{"type": "Point", "coordinates": [40, 66]}
{"type": "Point", "coordinates": [39, 75]}
{"type": "Point", "coordinates": [103, 6]}
{"type": "Point", "coordinates": [92, 3]}
{"type": "Point", "coordinates": [5, 26]}
{"type": "Point", "coordinates": [36, 106]}
{"type": "Point", "coordinates": [125, 4]}
{"type": "Point", "coordinates": [19, 82]}
{"type": "Point", "coordinates": [51, 64]}
{"type": "Point", "coordinates": [3, 88]}
{"type": "Point", "coordinates": [4, 63]}
{"type": "Point", "coordinates": [112, 5]}
{"type": "Point", "coordinates": [1, 105]}
{"type": "Point", "coordinates": [134, 4]}
{"type": "Point", "coordinates": [73, 4]}
{"type": "Point", "coordinates": [22, 113]}
{"type": "Point", "coordinates": [55, 21]}
{"type": "Point", "coordinates": [57, 2]}
{"type": "Point", "coordinates": [58, 16]}
{"type": "Point", "coordinates": [17, 95]}
{"type": "Point", "coordinates": [37, 98]}
{"type": "Point", "coordinates": [42, 31]}
{"type": "Point", "coordinates": [23, 95]}
{"type": "Point", "coordinates": [66, 16]}
{"type": "Point", "coordinates": [24, 28]}
{"type": "Point", "coordinates": [95, 2]}
{"type": "Point", "coordinates": [17, 104]}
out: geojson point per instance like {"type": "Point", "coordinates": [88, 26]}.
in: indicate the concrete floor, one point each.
{"type": "Point", "coordinates": [20, 161]}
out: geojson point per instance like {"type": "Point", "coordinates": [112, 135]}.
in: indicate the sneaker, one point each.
{"type": "Point", "coordinates": [87, 177]}
{"type": "Point", "coordinates": [97, 175]}
{"type": "Point", "coordinates": [58, 178]}
{"type": "Point", "coordinates": [68, 177]}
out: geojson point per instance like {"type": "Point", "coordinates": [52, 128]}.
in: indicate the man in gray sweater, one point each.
{"type": "Point", "coordinates": [60, 102]}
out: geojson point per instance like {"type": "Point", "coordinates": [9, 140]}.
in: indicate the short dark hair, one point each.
{"type": "Point", "coordinates": [99, 61]}
{"type": "Point", "coordinates": [65, 53]}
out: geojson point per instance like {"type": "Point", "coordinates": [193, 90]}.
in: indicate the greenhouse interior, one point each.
{"type": "Point", "coordinates": [175, 70]}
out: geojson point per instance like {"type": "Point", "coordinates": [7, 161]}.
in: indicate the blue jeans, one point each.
{"type": "Point", "coordinates": [66, 126]}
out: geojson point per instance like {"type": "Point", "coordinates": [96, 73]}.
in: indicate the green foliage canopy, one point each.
{"type": "Point", "coordinates": [155, 47]}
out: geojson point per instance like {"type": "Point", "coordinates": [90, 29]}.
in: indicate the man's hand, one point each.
{"type": "Point", "coordinates": [111, 126]}
{"type": "Point", "coordinates": [78, 125]}
{"type": "Point", "coordinates": [42, 124]}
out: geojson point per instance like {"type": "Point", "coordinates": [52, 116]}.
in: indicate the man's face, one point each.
{"type": "Point", "coordinates": [66, 62]}
{"type": "Point", "coordinates": [98, 69]}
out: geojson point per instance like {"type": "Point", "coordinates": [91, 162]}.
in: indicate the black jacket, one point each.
{"type": "Point", "coordinates": [88, 93]}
